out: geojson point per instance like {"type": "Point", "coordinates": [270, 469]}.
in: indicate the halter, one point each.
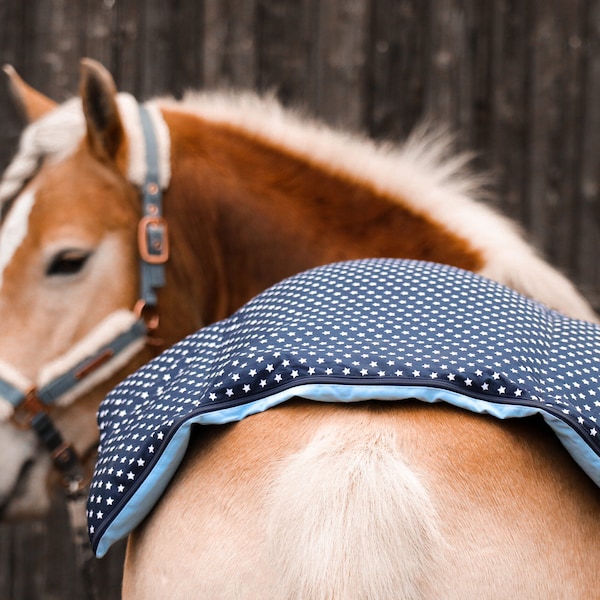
{"type": "Point", "coordinates": [31, 406]}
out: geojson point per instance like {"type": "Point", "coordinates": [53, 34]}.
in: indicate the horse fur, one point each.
{"type": "Point", "coordinates": [420, 175]}
{"type": "Point", "coordinates": [351, 489]}
{"type": "Point", "coordinates": [467, 508]}
{"type": "Point", "coordinates": [423, 174]}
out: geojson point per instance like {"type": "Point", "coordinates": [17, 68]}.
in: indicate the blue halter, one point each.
{"type": "Point", "coordinates": [31, 406]}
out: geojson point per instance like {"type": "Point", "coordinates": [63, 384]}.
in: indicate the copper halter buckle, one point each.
{"type": "Point", "coordinates": [31, 413]}
{"type": "Point", "coordinates": [28, 409]}
{"type": "Point", "coordinates": [153, 240]}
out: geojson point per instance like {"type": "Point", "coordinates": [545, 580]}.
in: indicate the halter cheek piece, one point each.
{"type": "Point", "coordinates": [153, 239]}
{"type": "Point", "coordinates": [31, 407]}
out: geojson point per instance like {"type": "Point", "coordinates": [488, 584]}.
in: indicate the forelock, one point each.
{"type": "Point", "coordinates": [55, 136]}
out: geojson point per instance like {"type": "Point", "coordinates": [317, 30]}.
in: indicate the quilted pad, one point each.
{"type": "Point", "coordinates": [377, 329]}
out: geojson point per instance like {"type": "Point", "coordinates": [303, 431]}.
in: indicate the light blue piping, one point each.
{"type": "Point", "coordinates": [145, 497]}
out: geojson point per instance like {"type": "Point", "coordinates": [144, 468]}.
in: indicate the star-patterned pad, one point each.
{"type": "Point", "coordinates": [378, 329]}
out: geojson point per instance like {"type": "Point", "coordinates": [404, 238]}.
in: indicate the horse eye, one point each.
{"type": "Point", "coordinates": [68, 262]}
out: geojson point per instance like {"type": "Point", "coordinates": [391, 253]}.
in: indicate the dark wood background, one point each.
{"type": "Point", "coordinates": [517, 80]}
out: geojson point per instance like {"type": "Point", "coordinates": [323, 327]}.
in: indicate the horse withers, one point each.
{"type": "Point", "coordinates": [252, 194]}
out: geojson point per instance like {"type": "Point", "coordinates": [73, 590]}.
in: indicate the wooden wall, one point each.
{"type": "Point", "coordinates": [518, 80]}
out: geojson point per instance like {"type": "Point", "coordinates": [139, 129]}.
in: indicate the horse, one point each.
{"type": "Point", "coordinates": [253, 193]}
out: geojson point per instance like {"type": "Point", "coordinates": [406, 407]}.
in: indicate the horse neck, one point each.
{"type": "Point", "coordinates": [248, 213]}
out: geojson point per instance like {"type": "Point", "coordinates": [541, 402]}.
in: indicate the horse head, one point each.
{"type": "Point", "coordinates": [69, 277]}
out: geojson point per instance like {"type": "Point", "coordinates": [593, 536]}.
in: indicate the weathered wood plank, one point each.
{"type": "Point", "coordinates": [230, 46]}
{"type": "Point", "coordinates": [153, 51]}
{"type": "Point", "coordinates": [587, 230]}
{"type": "Point", "coordinates": [397, 59]}
{"type": "Point", "coordinates": [38, 562]}
{"type": "Point", "coordinates": [285, 54]}
{"type": "Point", "coordinates": [12, 16]}
{"type": "Point", "coordinates": [186, 39]}
{"type": "Point", "coordinates": [341, 28]}
{"type": "Point", "coordinates": [509, 74]}
{"type": "Point", "coordinates": [553, 92]}
{"type": "Point", "coordinates": [449, 82]}
{"type": "Point", "coordinates": [54, 45]}
{"type": "Point", "coordinates": [99, 35]}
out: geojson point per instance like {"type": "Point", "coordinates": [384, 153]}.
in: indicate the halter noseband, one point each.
{"type": "Point", "coordinates": [31, 406]}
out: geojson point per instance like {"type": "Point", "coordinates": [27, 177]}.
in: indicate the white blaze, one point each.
{"type": "Point", "coordinates": [14, 229]}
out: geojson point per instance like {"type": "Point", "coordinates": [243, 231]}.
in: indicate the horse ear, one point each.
{"type": "Point", "coordinates": [98, 95]}
{"type": "Point", "coordinates": [30, 103]}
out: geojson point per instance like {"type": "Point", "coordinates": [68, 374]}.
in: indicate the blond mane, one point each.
{"type": "Point", "coordinates": [424, 173]}
{"type": "Point", "coordinates": [427, 153]}
{"type": "Point", "coordinates": [54, 137]}
{"type": "Point", "coordinates": [429, 150]}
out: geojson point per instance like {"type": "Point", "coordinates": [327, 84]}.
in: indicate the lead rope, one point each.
{"type": "Point", "coordinates": [84, 556]}
{"type": "Point", "coordinates": [30, 410]}
{"type": "Point", "coordinates": [67, 462]}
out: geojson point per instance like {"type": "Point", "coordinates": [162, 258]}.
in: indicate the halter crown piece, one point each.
{"type": "Point", "coordinates": [110, 345]}
{"type": "Point", "coordinates": [153, 240]}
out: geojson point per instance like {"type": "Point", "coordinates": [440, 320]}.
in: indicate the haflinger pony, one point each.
{"type": "Point", "coordinates": [95, 278]}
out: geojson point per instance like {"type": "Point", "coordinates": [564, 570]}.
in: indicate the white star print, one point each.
{"type": "Point", "coordinates": [457, 328]}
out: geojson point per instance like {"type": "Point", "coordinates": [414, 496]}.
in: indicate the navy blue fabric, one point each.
{"type": "Point", "coordinates": [370, 329]}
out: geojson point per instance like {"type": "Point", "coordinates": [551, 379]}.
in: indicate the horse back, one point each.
{"type": "Point", "coordinates": [370, 501]}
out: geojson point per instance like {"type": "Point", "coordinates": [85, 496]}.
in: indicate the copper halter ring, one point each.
{"type": "Point", "coordinates": [33, 413]}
